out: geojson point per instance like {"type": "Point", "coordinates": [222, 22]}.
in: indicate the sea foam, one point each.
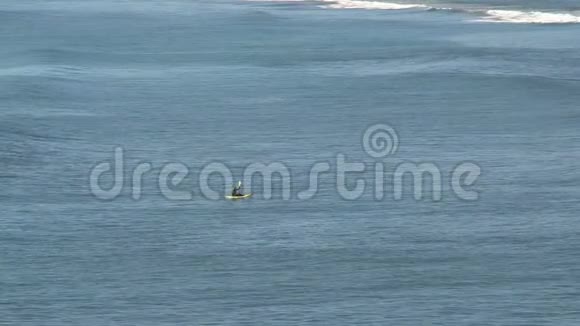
{"type": "Point", "coordinates": [530, 17]}
{"type": "Point", "coordinates": [360, 4]}
{"type": "Point", "coordinates": [489, 15]}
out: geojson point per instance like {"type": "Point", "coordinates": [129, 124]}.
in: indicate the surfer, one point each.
{"type": "Point", "coordinates": [237, 191]}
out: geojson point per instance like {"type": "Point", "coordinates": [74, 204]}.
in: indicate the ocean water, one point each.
{"type": "Point", "coordinates": [494, 83]}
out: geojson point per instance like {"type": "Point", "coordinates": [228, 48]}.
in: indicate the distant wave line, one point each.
{"type": "Point", "coordinates": [487, 15]}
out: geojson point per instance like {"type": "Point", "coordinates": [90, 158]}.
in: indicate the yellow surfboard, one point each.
{"type": "Point", "coordinates": [239, 197]}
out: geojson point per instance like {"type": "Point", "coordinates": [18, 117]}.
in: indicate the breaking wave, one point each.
{"type": "Point", "coordinates": [360, 4]}
{"type": "Point", "coordinates": [530, 17]}
{"type": "Point", "coordinates": [485, 15]}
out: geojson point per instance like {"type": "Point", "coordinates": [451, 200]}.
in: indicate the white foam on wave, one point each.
{"type": "Point", "coordinates": [276, 0]}
{"type": "Point", "coordinates": [530, 17]}
{"type": "Point", "coordinates": [491, 15]}
{"type": "Point", "coordinates": [361, 4]}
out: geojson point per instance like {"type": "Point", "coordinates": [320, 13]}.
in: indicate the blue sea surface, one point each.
{"type": "Point", "coordinates": [493, 83]}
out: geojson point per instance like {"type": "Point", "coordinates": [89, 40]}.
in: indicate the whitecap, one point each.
{"type": "Point", "coordinates": [530, 17]}
{"type": "Point", "coordinates": [361, 4]}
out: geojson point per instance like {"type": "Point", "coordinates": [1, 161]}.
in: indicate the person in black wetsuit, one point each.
{"type": "Point", "coordinates": [236, 192]}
